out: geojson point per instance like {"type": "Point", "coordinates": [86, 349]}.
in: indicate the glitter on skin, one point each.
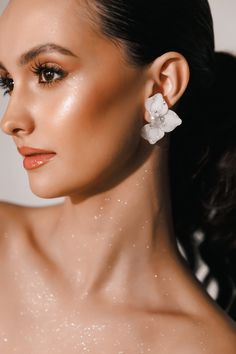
{"type": "Point", "coordinates": [50, 325]}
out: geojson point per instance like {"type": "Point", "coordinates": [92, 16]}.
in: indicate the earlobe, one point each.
{"type": "Point", "coordinates": [170, 74]}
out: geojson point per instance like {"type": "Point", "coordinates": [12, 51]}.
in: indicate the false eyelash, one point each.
{"type": "Point", "coordinates": [4, 84]}
{"type": "Point", "coordinates": [38, 68]}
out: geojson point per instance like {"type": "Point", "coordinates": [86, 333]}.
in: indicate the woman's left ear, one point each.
{"type": "Point", "coordinates": [170, 76]}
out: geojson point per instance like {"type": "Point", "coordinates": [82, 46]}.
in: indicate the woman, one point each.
{"type": "Point", "coordinates": [93, 86]}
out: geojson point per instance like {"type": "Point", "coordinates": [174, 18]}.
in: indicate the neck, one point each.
{"type": "Point", "coordinates": [118, 238]}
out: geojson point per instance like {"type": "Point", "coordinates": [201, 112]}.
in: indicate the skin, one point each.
{"type": "Point", "coordinates": [100, 273]}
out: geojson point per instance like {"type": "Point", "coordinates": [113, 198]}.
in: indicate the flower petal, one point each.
{"type": "Point", "coordinates": [152, 133]}
{"type": "Point", "coordinates": [169, 122]}
{"type": "Point", "coordinates": [156, 106]}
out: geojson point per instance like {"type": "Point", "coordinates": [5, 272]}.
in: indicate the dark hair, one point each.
{"type": "Point", "coordinates": [203, 180]}
{"type": "Point", "coordinates": [151, 28]}
{"type": "Point", "coordinates": [202, 153]}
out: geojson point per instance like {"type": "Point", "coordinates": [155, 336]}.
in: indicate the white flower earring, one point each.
{"type": "Point", "coordinates": [162, 119]}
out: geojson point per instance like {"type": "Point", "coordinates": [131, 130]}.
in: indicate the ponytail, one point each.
{"type": "Point", "coordinates": [203, 180]}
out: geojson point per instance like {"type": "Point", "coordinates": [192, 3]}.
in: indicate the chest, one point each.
{"type": "Point", "coordinates": [38, 321]}
{"type": "Point", "coordinates": [39, 314]}
{"type": "Point", "coordinates": [64, 333]}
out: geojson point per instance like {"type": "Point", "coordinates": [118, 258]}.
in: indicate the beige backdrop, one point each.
{"type": "Point", "coordinates": [13, 181]}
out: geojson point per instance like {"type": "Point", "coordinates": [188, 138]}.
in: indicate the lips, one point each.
{"type": "Point", "coordinates": [35, 158]}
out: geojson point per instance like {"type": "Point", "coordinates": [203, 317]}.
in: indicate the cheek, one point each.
{"type": "Point", "coordinates": [94, 131]}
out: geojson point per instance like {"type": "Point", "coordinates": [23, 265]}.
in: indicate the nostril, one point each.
{"type": "Point", "coordinates": [16, 130]}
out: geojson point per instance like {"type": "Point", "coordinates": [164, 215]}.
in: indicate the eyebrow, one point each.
{"type": "Point", "coordinates": [41, 49]}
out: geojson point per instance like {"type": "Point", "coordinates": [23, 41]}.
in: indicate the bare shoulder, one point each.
{"type": "Point", "coordinates": [10, 215]}
{"type": "Point", "coordinates": [201, 325]}
{"type": "Point", "coordinates": [21, 228]}
{"type": "Point", "coordinates": [182, 332]}
{"type": "Point", "coordinates": [193, 333]}
{"type": "Point", "coordinates": [221, 336]}
{"type": "Point", "coordinates": [16, 219]}
{"type": "Point", "coordinates": [12, 229]}
{"type": "Point", "coordinates": [213, 335]}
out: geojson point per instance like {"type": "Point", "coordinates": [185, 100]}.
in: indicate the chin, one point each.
{"type": "Point", "coordinates": [44, 194]}
{"type": "Point", "coordinates": [57, 184]}
{"type": "Point", "coordinates": [45, 189]}
{"type": "Point", "coordinates": [54, 189]}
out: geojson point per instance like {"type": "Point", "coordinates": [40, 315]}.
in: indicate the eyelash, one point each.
{"type": "Point", "coordinates": [38, 69]}
{"type": "Point", "coordinates": [5, 84]}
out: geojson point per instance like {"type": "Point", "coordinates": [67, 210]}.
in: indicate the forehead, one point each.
{"type": "Point", "coordinates": [28, 23]}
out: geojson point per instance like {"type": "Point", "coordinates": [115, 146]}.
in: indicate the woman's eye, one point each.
{"type": "Point", "coordinates": [6, 84]}
{"type": "Point", "coordinates": [48, 73]}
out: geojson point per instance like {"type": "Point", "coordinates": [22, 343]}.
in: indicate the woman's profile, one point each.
{"type": "Point", "coordinates": [98, 92]}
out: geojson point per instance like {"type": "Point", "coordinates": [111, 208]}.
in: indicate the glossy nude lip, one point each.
{"type": "Point", "coordinates": [35, 158]}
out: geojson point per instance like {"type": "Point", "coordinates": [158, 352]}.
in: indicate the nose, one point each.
{"type": "Point", "coordinates": [17, 120]}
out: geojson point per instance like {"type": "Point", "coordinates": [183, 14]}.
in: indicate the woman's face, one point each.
{"type": "Point", "coordinates": [73, 95]}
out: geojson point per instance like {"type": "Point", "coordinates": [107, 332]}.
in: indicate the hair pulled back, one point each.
{"type": "Point", "coordinates": [201, 159]}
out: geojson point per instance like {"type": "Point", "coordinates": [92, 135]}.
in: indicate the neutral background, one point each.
{"type": "Point", "coordinates": [13, 179]}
